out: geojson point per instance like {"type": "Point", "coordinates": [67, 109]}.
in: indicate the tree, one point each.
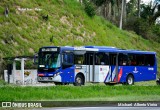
{"type": "Point", "coordinates": [111, 9]}
{"type": "Point", "coordinates": [121, 18]}
{"type": "Point", "coordinates": [139, 1]}
{"type": "Point", "coordinates": [89, 8]}
{"type": "Point", "coordinates": [151, 11]}
{"type": "Point", "coordinates": [133, 15]}
{"type": "Point", "coordinates": [131, 8]}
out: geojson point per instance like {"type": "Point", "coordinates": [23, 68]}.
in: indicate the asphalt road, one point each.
{"type": "Point", "coordinates": [100, 108]}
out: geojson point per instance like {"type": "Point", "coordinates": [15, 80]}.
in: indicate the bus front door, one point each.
{"type": "Point", "coordinates": [90, 60]}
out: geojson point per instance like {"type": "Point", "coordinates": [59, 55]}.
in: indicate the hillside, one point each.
{"type": "Point", "coordinates": [27, 28]}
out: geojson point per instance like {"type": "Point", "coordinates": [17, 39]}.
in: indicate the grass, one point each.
{"type": "Point", "coordinates": [141, 91]}
{"type": "Point", "coordinates": [84, 93]}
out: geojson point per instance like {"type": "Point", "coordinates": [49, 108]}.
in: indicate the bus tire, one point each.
{"type": "Point", "coordinates": [158, 81]}
{"type": "Point", "coordinates": [130, 80]}
{"type": "Point", "coordinates": [79, 80]}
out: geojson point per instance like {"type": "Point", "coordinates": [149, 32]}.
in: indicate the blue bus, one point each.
{"type": "Point", "coordinates": [78, 65]}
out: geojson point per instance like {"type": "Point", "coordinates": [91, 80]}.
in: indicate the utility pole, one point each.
{"type": "Point", "coordinates": [139, 1]}
{"type": "Point", "coordinates": [121, 18]}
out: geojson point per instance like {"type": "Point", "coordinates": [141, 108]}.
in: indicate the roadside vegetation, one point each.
{"type": "Point", "coordinates": [141, 91]}
{"type": "Point", "coordinates": [84, 93]}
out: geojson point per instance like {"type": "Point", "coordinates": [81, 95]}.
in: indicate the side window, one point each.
{"type": "Point", "coordinates": [132, 61]}
{"type": "Point", "coordinates": [123, 59]}
{"type": "Point", "coordinates": [140, 60]}
{"type": "Point", "coordinates": [149, 60]}
{"type": "Point", "coordinates": [101, 59]}
{"type": "Point", "coordinates": [79, 59]}
{"type": "Point", "coordinates": [67, 59]}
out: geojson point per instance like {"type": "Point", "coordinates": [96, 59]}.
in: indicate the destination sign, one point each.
{"type": "Point", "coordinates": [49, 49]}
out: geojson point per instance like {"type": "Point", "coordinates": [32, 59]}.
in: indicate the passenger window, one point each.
{"type": "Point", "coordinates": [132, 61]}
{"type": "Point", "coordinates": [149, 60]}
{"type": "Point", "coordinates": [79, 59]}
{"type": "Point", "coordinates": [123, 59]}
{"type": "Point", "coordinates": [141, 60]}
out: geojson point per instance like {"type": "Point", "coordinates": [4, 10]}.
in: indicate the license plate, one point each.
{"type": "Point", "coordinates": [45, 78]}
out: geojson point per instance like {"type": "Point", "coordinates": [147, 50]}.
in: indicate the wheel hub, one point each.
{"type": "Point", "coordinates": [130, 80]}
{"type": "Point", "coordinates": [79, 80]}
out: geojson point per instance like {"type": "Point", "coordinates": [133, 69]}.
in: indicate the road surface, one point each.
{"type": "Point", "coordinates": [100, 108]}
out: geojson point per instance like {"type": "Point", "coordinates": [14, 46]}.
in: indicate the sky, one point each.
{"type": "Point", "coordinates": [144, 1]}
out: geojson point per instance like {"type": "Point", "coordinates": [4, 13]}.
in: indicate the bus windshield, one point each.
{"type": "Point", "coordinates": [49, 60]}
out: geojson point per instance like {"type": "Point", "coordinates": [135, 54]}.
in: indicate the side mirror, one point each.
{"type": "Point", "coordinates": [35, 59]}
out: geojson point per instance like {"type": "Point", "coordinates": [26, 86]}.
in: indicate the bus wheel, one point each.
{"type": "Point", "coordinates": [79, 80]}
{"type": "Point", "coordinates": [130, 80]}
{"type": "Point", "coordinates": [158, 81]}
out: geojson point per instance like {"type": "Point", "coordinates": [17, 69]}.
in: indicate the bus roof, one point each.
{"type": "Point", "coordinates": [137, 52]}
{"type": "Point", "coordinates": [101, 49]}
{"type": "Point", "coordinates": [115, 50]}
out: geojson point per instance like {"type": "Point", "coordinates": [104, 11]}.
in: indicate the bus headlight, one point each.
{"type": "Point", "coordinates": [57, 74]}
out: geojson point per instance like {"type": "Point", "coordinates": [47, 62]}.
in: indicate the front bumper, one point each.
{"type": "Point", "coordinates": [49, 79]}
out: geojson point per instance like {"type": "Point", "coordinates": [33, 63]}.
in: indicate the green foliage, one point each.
{"type": "Point", "coordinates": [98, 2]}
{"type": "Point", "coordinates": [131, 10]}
{"type": "Point", "coordinates": [2, 83]}
{"type": "Point", "coordinates": [29, 65]}
{"type": "Point", "coordinates": [89, 8]}
{"type": "Point", "coordinates": [143, 28]}
{"type": "Point", "coordinates": [156, 29]}
{"type": "Point", "coordinates": [145, 25]}
{"type": "Point", "coordinates": [92, 92]}
{"type": "Point", "coordinates": [147, 11]}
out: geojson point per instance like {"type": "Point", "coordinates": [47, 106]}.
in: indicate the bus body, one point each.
{"type": "Point", "coordinates": [79, 65]}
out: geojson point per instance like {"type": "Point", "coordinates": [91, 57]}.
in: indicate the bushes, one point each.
{"type": "Point", "coordinates": [89, 8]}
{"type": "Point", "coordinates": [156, 31]}
{"type": "Point", "coordinates": [143, 28]}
